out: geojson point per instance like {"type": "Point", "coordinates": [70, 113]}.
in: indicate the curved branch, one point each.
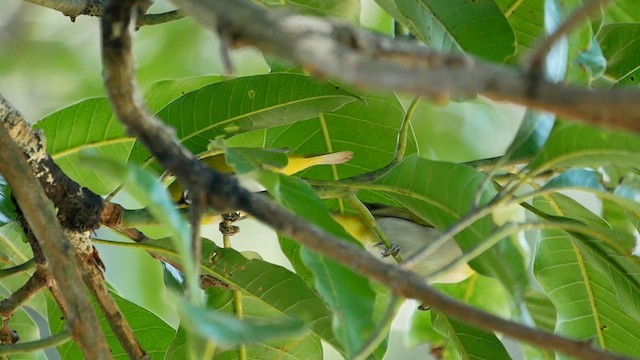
{"type": "Point", "coordinates": [224, 193]}
{"type": "Point", "coordinates": [329, 48]}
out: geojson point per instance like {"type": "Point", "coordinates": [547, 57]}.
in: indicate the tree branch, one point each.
{"type": "Point", "coordinates": [79, 209]}
{"type": "Point", "coordinates": [75, 8]}
{"type": "Point", "coordinates": [328, 48]}
{"type": "Point", "coordinates": [539, 55]}
{"type": "Point", "coordinates": [224, 193]}
{"type": "Point", "coordinates": [36, 282]}
{"type": "Point", "coordinates": [81, 319]}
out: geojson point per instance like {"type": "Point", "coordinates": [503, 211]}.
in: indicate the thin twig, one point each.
{"type": "Point", "coordinates": [36, 282]}
{"type": "Point", "coordinates": [31, 346]}
{"type": "Point", "coordinates": [155, 19]}
{"type": "Point", "coordinates": [540, 53]}
{"type": "Point", "coordinates": [25, 266]}
{"type": "Point", "coordinates": [94, 280]}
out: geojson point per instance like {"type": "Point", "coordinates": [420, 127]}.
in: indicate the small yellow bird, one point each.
{"type": "Point", "coordinates": [409, 237]}
{"type": "Point", "coordinates": [295, 164]}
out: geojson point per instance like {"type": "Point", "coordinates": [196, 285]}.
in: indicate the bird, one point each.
{"type": "Point", "coordinates": [295, 163]}
{"type": "Point", "coordinates": [408, 235]}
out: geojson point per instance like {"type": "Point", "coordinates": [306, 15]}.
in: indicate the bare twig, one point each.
{"type": "Point", "coordinates": [81, 319]}
{"type": "Point", "coordinates": [36, 282]}
{"type": "Point", "coordinates": [27, 347]}
{"type": "Point", "coordinates": [361, 58]}
{"type": "Point", "coordinates": [224, 193]}
{"type": "Point", "coordinates": [25, 266]}
{"type": "Point", "coordinates": [94, 280]}
{"type": "Point", "coordinates": [540, 53]}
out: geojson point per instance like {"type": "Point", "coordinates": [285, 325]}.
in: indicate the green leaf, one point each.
{"type": "Point", "coordinates": [541, 310]}
{"type": "Point", "coordinates": [153, 333]}
{"type": "Point", "coordinates": [579, 42]}
{"type": "Point", "coordinates": [272, 285]}
{"type": "Point", "coordinates": [576, 178]}
{"type": "Point", "coordinates": [245, 160]}
{"type": "Point", "coordinates": [230, 331]}
{"type": "Point", "coordinates": [532, 135]}
{"type": "Point", "coordinates": [348, 9]}
{"type": "Point", "coordinates": [526, 17]}
{"type": "Point", "coordinates": [470, 342]}
{"type": "Point", "coordinates": [305, 346]}
{"type": "Point", "coordinates": [340, 130]}
{"type": "Point", "coordinates": [622, 11]}
{"type": "Point", "coordinates": [89, 124]}
{"type": "Point", "coordinates": [575, 144]}
{"type": "Point", "coordinates": [349, 295]}
{"type": "Point", "coordinates": [163, 92]}
{"type": "Point", "coordinates": [476, 27]}
{"type": "Point", "coordinates": [441, 193]}
{"type": "Point", "coordinates": [234, 106]}
{"type": "Point", "coordinates": [465, 131]}
{"type": "Point", "coordinates": [609, 252]}
{"type": "Point", "coordinates": [621, 48]}
{"type": "Point", "coordinates": [583, 296]}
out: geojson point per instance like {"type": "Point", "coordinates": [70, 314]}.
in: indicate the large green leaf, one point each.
{"type": "Point", "coordinates": [442, 193]}
{"type": "Point", "coordinates": [477, 27]}
{"type": "Point", "coordinates": [348, 294]}
{"type": "Point", "coordinates": [272, 285]}
{"type": "Point", "coordinates": [607, 251]}
{"type": "Point", "coordinates": [163, 92]}
{"type": "Point", "coordinates": [307, 346]}
{"type": "Point", "coordinates": [230, 107]}
{"type": "Point", "coordinates": [470, 343]}
{"type": "Point", "coordinates": [527, 20]}
{"type": "Point", "coordinates": [465, 131]}
{"type": "Point", "coordinates": [230, 331]}
{"type": "Point", "coordinates": [89, 124]}
{"type": "Point", "coordinates": [575, 144]}
{"type": "Point", "coordinates": [621, 48]}
{"type": "Point", "coordinates": [152, 332]}
{"type": "Point", "coordinates": [622, 11]}
{"type": "Point", "coordinates": [367, 128]}
{"type": "Point", "coordinates": [584, 297]}
{"type": "Point", "coordinates": [532, 135]}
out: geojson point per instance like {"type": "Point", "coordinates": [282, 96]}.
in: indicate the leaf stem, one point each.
{"type": "Point", "coordinates": [17, 269]}
{"type": "Point", "coordinates": [31, 346]}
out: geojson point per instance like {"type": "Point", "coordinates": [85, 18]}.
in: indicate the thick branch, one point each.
{"type": "Point", "coordinates": [81, 319]}
{"type": "Point", "coordinates": [361, 58]}
{"type": "Point", "coordinates": [224, 193]}
{"type": "Point", "coordinates": [79, 209]}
